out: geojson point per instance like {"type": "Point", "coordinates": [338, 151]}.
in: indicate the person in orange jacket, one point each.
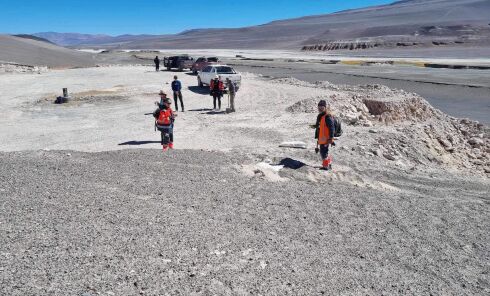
{"type": "Point", "coordinates": [324, 133]}
{"type": "Point", "coordinates": [216, 88]}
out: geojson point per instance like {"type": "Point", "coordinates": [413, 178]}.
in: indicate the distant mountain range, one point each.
{"type": "Point", "coordinates": [74, 39]}
{"type": "Point", "coordinates": [402, 23]}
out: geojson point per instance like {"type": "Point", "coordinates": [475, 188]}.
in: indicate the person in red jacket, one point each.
{"type": "Point", "coordinates": [216, 87]}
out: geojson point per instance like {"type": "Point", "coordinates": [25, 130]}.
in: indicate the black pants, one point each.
{"type": "Point", "coordinates": [217, 96]}
{"type": "Point", "coordinates": [178, 94]}
{"type": "Point", "coordinates": [157, 67]}
{"type": "Point", "coordinates": [171, 135]}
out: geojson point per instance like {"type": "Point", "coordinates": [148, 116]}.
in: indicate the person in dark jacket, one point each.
{"type": "Point", "coordinates": [177, 90]}
{"type": "Point", "coordinates": [157, 63]}
{"type": "Point", "coordinates": [216, 87]}
{"type": "Point", "coordinates": [324, 132]}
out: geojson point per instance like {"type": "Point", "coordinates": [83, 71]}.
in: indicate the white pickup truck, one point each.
{"type": "Point", "coordinates": [205, 76]}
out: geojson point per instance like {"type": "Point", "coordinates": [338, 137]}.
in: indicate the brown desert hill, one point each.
{"type": "Point", "coordinates": [445, 22]}
{"type": "Point", "coordinates": [25, 51]}
{"type": "Point", "coordinates": [27, 36]}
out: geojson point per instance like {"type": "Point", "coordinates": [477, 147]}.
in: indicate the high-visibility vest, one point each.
{"type": "Point", "coordinates": [324, 132]}
{"type": "Point", "coordinates": [219, 86]}
{"type": "Point", "coordinates": [165, 117]}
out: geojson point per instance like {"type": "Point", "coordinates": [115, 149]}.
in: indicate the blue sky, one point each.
{"type": "Point", "coordinates": [156, 17]}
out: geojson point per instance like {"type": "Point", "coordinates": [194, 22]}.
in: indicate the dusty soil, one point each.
{"type": "Point", "coordinates": [191, 223]}
{"type": "Point", "coordinates": [229, 212]}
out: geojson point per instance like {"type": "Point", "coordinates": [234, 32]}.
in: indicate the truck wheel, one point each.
{"type": "Point", "coordinates": [169, 68]}
{"type": "Point", "coordinates": [199, 82]}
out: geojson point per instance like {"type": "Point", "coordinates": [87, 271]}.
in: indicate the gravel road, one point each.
{"type": "Point", "coordinates": [190, 222]}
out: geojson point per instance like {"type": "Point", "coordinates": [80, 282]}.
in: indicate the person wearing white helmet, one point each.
{"type": "Point", "coordinates": [216, 88]}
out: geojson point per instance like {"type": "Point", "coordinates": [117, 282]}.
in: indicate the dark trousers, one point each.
{"type": "Point", "coordinates": [217, 96]}
{"type": "Point", "coordinates": [232, 101]}
{"type": "Point", "coordinates": [178, 94]}
{"type": "Point", "coordinates": [171, 135]}
{"type": "Point", "coordinates": [324, 151]}
{"type": "Point", "coordinates": [157, 67]}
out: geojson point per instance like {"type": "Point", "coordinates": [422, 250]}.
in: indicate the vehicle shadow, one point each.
{"type": "Point", "coordinates": [199, 90]}
{"type": "Point", "coordinates": [137, 143]}
{"type": "Point", "coordinates": [191, 74]}
{"type": "Point", "coordinates": [177, 71]}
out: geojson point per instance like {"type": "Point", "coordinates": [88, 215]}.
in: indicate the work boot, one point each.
{"type": "Point", "coordinates": [326, 164]}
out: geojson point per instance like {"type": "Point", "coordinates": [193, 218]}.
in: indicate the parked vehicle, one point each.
{"type": "Point", "coordinates": [204, 77]}
{"type": "Point", "coordinates": [203, 62]}
{"type": "Point", "coordinates": [178, 62]}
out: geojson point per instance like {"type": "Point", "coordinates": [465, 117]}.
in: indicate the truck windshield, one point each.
{"type": "Point", "coordinates": [225, 70]}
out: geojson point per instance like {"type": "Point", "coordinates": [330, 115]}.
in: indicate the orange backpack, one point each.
{"type": "Point", "coordinates": [165, 117]}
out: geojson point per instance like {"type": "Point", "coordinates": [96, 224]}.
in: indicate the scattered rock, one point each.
{"type": "Point", "coordinates": [445, 143]}
{"type": "Point", "coordinates": [259, 173]}
{"type": "Point", "coordinates": [477, 142]}
{"type": "Point", "coordinates": [389, 156]}
{"type": "Point", "coordinates": [293, 144]}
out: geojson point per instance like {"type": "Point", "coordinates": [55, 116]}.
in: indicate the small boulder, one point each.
{"type": "Point", "coordinates": [476, 142]}
{"type": "Point", "coordinates": [293, 144]}
{"type": "Point", "coordinates": [389, 156]}
{"type": "Point", "coordinates": [445, 143]}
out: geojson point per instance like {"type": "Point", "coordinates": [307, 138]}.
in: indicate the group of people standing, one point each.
{"type": "Point", "coordinates": [165, 117]}
{"type": "Point", "coordinates": [217, 88]}
{"type": "Point", "coordinates": [325, 127]}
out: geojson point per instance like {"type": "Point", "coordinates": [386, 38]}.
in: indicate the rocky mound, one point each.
{"type": "Point", "coordinates": [403, 126]}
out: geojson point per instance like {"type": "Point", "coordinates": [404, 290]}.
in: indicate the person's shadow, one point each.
{"type": "Point", "coordinates": [213, 112]}
{"type": "Point", "coordinates": [137, 143]}
{"type": "Point", "coordinates": [199, 90]}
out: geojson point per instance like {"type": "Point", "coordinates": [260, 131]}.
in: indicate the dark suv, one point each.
{"type": "Point", "coordinates": [178, 62]}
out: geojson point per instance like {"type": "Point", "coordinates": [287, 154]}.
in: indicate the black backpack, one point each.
{"type": "Point", "coordinates": [338, 127]}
